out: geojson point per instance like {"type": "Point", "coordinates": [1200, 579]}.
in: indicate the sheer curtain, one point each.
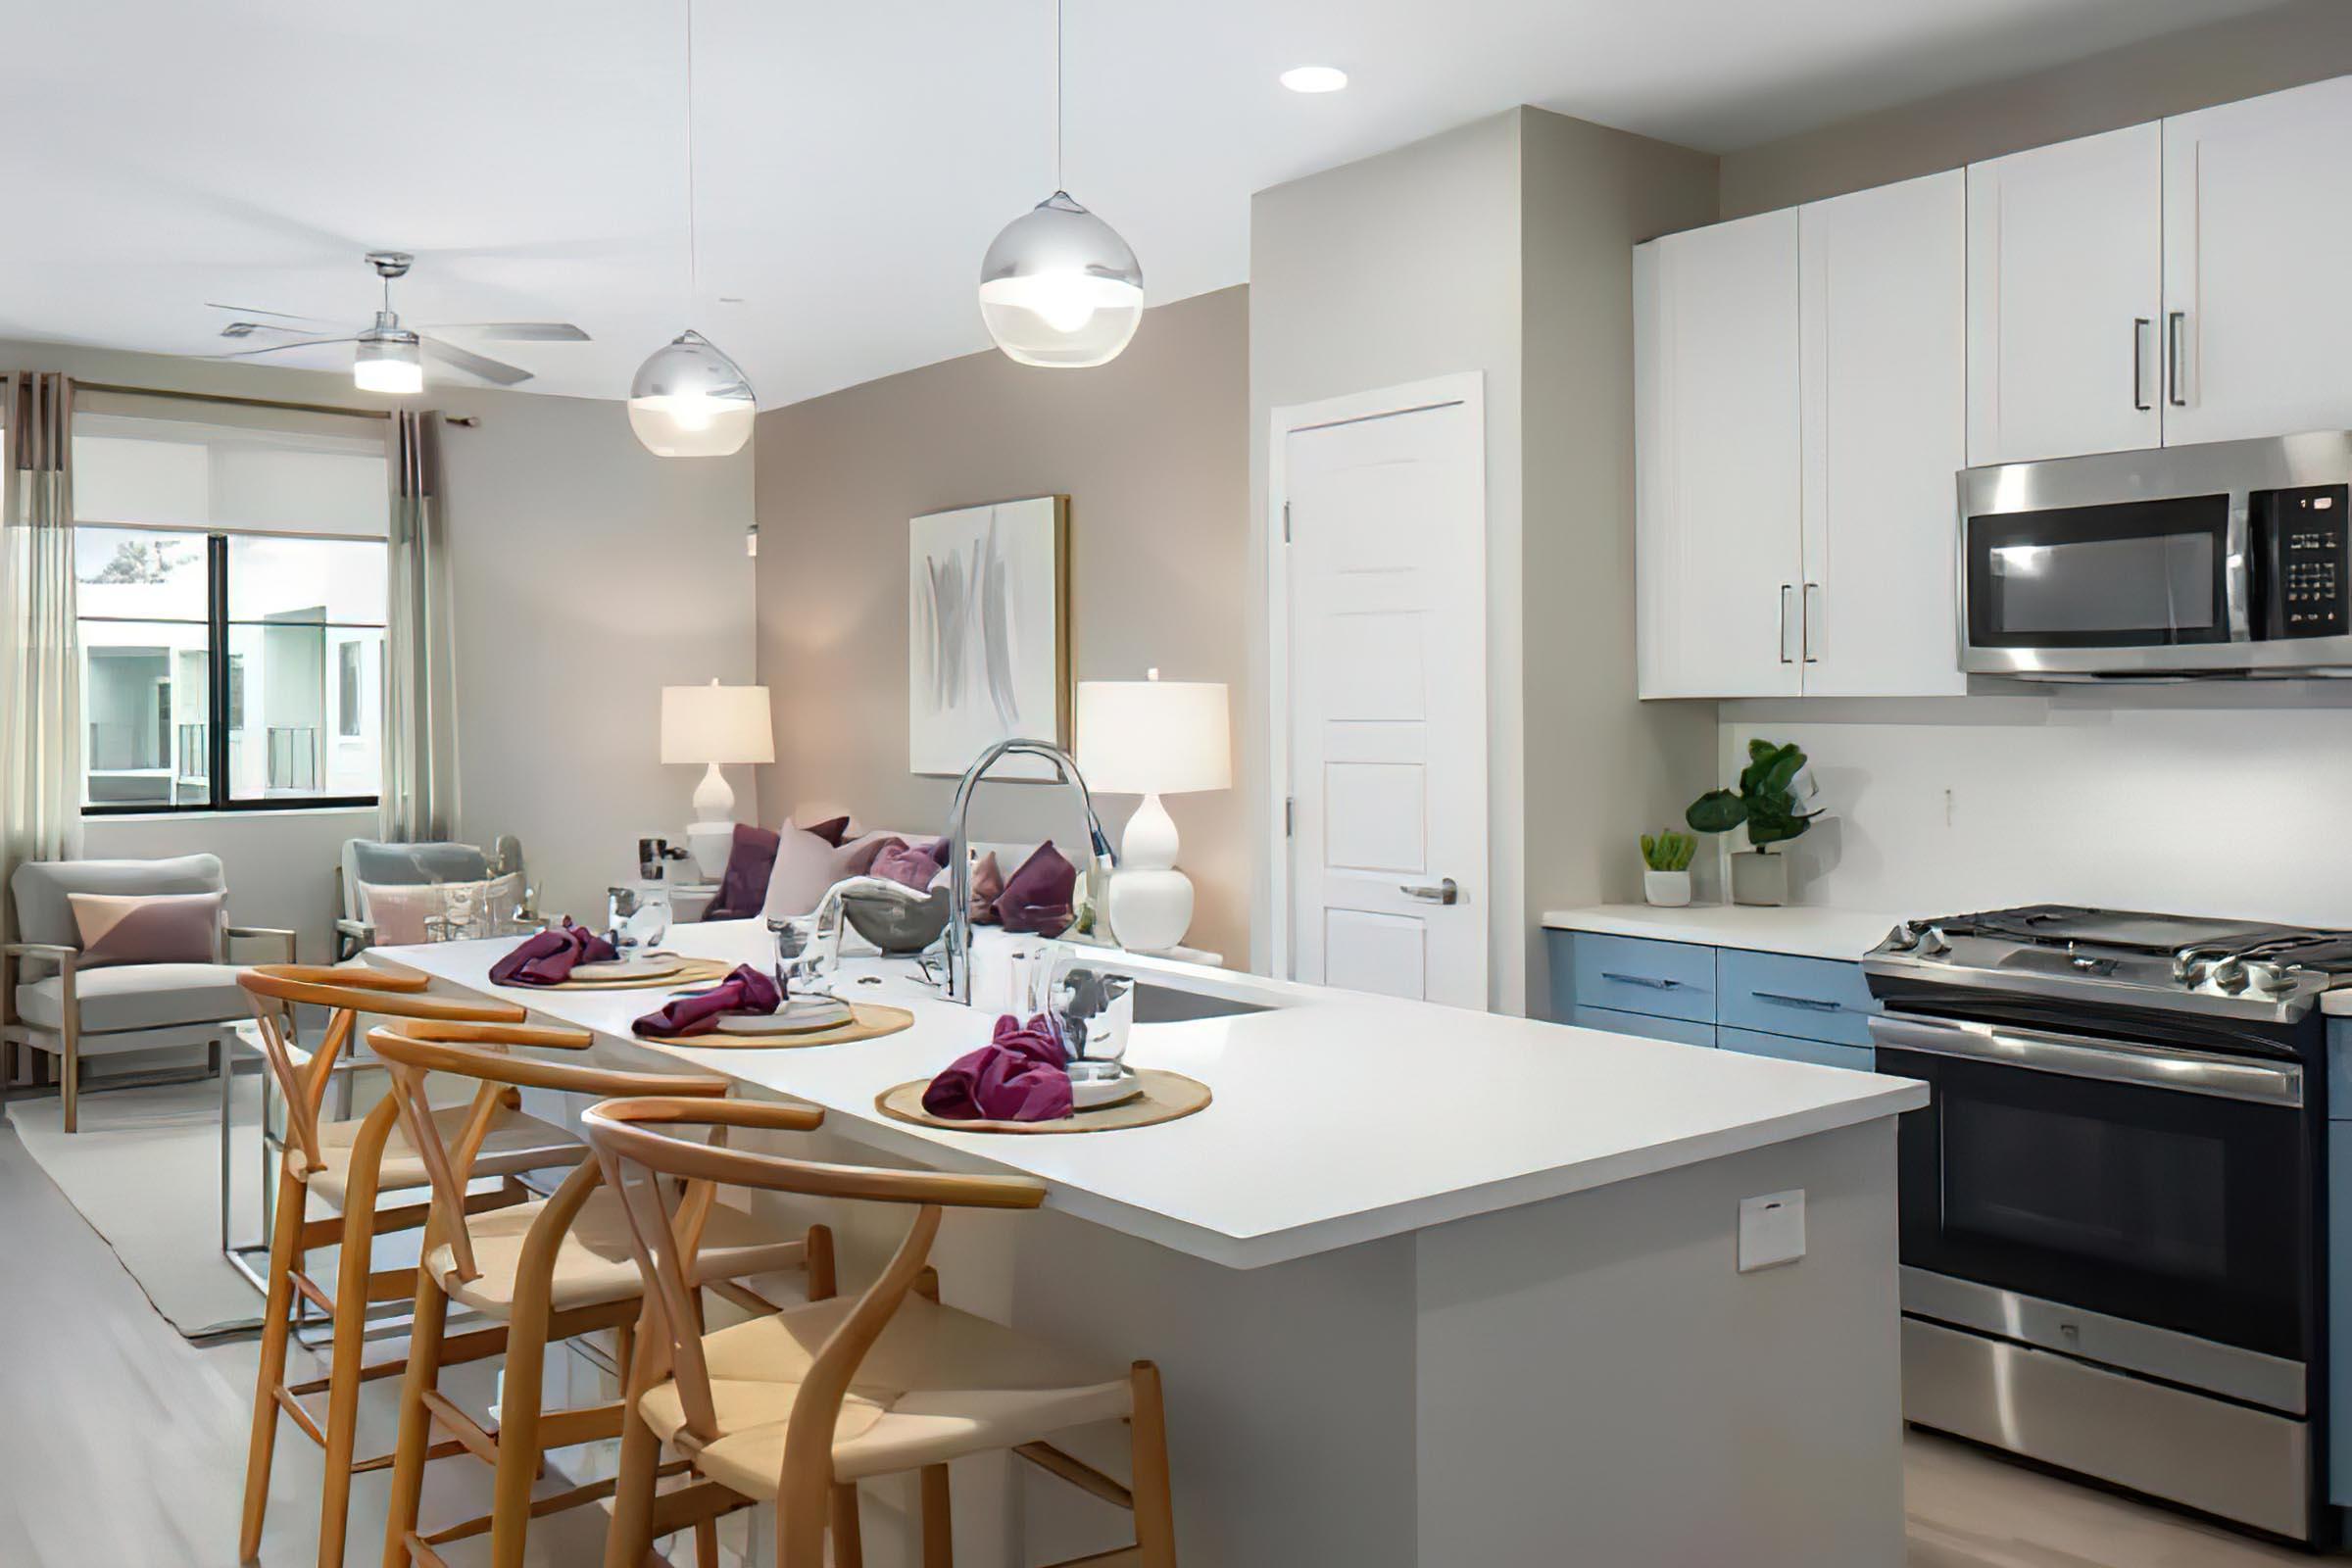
{"type": "Point", "coordinates": [420, 730]}
{"type": "Point", "coordinates": [40, 660]}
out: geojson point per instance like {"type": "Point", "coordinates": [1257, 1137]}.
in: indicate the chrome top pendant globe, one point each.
{"type": "Point", "coordinates": [691, 401]}
{"type": "Point", "coordinates": [1060, 288]}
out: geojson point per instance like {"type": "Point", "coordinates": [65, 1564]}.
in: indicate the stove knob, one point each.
{"type": "Point", "coordinates": [1903, 938]}
{"type": "Point", "coordinates": [2227, 974]}
{"type": "Point", "coordinates": [1931, 942]}
{"type": "Point", "coordinates": [2269, 979]}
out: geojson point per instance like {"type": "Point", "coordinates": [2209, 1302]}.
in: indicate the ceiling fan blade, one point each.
{"type": "Point", "coordinates": [494, 372]}
{"type": "Point", "coordinates": [249, 328]}
{"type": "Point", "coordinates": [513, 331]}
{"type": "Point", "coordinates": [278, 348]}
{"type": "Point", "coordinates": [256, 309]}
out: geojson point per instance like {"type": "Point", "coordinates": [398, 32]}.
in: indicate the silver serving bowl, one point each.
{"type": "Point", "coordinates": [897, 928]}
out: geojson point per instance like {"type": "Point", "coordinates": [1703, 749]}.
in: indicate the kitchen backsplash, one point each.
{"type": "Point", "coordinates": [2226, 798]}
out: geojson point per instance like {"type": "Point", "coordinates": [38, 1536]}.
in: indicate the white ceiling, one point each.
{"type": "Point", "coordinates": [855, 159]}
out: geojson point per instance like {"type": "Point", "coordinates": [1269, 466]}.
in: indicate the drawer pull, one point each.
{"type": "Point", "coordinates": [1651, 981]}
{"type": "Point", "coordinates": [1809, 1004]}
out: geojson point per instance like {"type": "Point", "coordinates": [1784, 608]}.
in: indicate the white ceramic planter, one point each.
{"type": "Point", "coordinates": [1668, 890]}
{"type": "Point", "coordinates": [1759, 878]}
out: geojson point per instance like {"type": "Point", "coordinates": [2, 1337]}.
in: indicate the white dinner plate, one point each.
{"type": "Point", "coordinates": [650, 966]}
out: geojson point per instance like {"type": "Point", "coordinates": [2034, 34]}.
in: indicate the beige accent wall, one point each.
{"type": "Point", "coordinates": [2285, 46]}
{"type": "Point", "coordinates": [1153, 453]}
{"type": "Point", "coordinates": [589, 575]}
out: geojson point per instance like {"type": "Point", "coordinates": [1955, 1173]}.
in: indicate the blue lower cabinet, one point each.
{"type": "Point", "coordinates": [1681, 1031]}
{"type": "Point", "coordinates": [1821, 1053]}
{"type": "Point", "coordinates": [1811, 998]}
{"type": "Point", "coordinates": [1634, 974]}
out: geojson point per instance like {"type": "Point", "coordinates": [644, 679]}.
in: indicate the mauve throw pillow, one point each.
{"type": "Point", "coordinates": [905, 863]}
{"type": "Point", "coordinates": [807, 866]}
{"type": "Point", "coordinates": [147, 928]}
{"type": "Point", "coordinates": [750, 860]}
{"type": "Point", "coordinates": [1037, 897]}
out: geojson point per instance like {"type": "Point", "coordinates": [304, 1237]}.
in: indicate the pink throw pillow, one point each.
{"type": "Point", "coordinates": [147, 928]}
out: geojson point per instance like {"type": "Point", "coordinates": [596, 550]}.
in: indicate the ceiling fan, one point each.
{"type": "Point", "coordinates": [389, 356]}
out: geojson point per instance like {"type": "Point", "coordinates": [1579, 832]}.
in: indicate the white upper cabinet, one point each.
{"type": "Point", "coordinates": [2064, 291]}
{"type": "Point", "coordinates": [1884, 334]}
{"type": "Point", "coordinates": [2257, 266]}
{"type": "Point", "coordinates": [1718, 557]}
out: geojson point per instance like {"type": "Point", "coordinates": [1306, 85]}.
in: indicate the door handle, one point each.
{"type": "Point", "coordinates": [2139, 364]}
{"type": "Point", "coordinates": [1444, 892]}
{"type": "Point", "coordinates": [2172, 358]}
{"type": "Point", "coordinates": [1786, 590]}
{"type": "Point", "coordinates": [1805, 636]}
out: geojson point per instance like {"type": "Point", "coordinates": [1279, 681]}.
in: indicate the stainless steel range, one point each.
{"type": "Point", "coordinates": [2113, 1211]}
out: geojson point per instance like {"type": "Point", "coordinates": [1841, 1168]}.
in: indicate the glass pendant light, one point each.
{"type": "Point", "coordinates": [1058, 287]}
{"type": "Point", "coordinates": [689, 400]}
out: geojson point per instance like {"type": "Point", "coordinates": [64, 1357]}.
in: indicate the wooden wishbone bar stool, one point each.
{"type": "Point", "coordinates": [547, 1270]}
{"type": "Point", "coordinates": [345, 1165]}
{"type": "Point", "coordinates": [931, 1384]}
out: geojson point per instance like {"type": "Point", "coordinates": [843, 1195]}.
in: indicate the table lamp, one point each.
{"type": "Point", "coordinates": [714, 725]}
{"type": "Point", "coordinates": [1151, 738]}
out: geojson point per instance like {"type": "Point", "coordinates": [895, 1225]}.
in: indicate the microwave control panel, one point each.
{"type": "Point", "coordinates": [2299, 539]}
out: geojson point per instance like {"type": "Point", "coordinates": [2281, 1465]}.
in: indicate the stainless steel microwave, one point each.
{"type": "Point", "coordinates": [2220, 559]}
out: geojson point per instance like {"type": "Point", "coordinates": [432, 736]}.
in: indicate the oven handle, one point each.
{"type": "Point", "coordinates": [2194, 1072]}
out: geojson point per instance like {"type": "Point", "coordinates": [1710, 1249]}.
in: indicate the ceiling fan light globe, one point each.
{"type": "Point", "coordinates": [689, 400]}
{"type": "Point", "coordinates": [1060, 288]}
{"type": "Point", "coordinates": [393, 364]}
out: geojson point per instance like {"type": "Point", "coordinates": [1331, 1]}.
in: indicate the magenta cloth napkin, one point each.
{"type": "Point", "coordinates": [698, 1012]}
{"type": "Point", "coordinates": [1021, 1076]}
{"type": "Point", "coordinates": [547, 958]}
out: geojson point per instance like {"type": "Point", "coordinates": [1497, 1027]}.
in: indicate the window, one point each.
{"type": "Point", "coordinates": [227, 616]}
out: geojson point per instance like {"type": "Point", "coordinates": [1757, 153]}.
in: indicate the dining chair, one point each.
{"type": "Point", "coordinates": [798, 1407]}
{"type": "Point", "coordinates": [344, 1166]}
{"type": "Point", "coordinates": [545, 1271]}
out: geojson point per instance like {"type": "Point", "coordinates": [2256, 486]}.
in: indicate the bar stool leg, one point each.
{"type": "Point", "coordinates": [345, 1356]}
{"type": "Point", "coordinates": [631, 1534]}
{"type": "Point", "coordinates": [1154, 1507]}
{"type": "Point", "coordinates": [278, 1322]}
{"type": "Point", "coordinates": [939, 1519]}
{"type": "Point", "coordinates": [518, 1405]}
{"type": "Point", "coordinates": [429, 1321]}
{"type": "Point", "coordinates": [849, 1540]}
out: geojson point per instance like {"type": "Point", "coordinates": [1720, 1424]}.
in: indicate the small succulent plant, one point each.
{"type": "Point", "coordinates": [1764, 800]}
{"type": "Point", "coordinates": [1668, 851]}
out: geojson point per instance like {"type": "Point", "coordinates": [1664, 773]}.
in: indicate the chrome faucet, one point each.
{"type": "Point", "coordinates": [959, 860]}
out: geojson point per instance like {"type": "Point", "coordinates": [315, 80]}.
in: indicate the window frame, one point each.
{"type": "Point", "coordinates": [216, 624]}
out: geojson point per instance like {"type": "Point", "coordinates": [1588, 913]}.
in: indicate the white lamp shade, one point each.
{"type": "Point", "coordinates": [1153, 737]}
{"type": "Point", "coordinates": [715, 723]}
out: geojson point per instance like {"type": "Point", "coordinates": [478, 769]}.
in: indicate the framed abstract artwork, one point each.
{"type": "Point", "coordinates": [987, 646]}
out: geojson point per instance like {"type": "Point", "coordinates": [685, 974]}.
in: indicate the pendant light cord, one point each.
{"type": "Point", "coordinates": [1058, 181]}
{"type": "Point", "coordinates": [694, 258]}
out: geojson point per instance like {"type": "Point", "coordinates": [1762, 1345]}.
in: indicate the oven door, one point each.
{"type": "Point", "coordinates": [2149, 1183]}
{"type": "Point", "coordinates": [2081, 588]}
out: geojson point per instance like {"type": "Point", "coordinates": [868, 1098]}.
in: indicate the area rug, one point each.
{"type": "Point", "coordinates": [145, 1172]}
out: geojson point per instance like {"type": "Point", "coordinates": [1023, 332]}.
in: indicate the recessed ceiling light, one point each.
{"type": "Point", "coordinates": [1314, 78]}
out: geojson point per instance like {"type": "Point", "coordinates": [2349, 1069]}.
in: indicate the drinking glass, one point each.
{"type": "Point", "coordinates": [640, 918]}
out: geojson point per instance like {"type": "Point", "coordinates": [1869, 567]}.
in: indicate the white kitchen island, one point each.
{"type": "Point", "coordinates": [1426, 1286]}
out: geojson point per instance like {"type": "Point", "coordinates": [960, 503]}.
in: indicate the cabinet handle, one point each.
{"type": "Point", "coordinates": [1786, 590]}
{"type": "Point", "coordinates": [2172, 358]}
{"type": "Point", "coordinates": [1649, 981]}
{"type": "Point", "coordinates": [1809, 1004]}
{"type": "Point", "coordinates": [2139, 357]}
{"type": "Point", "coordinates": [1812, 597]}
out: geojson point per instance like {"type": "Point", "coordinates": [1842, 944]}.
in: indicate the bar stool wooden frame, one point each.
{"type": "Point", "coordinates": [526, 1432]}
{"type": "Point", "coordinates": [810, 1499]}
{"type": "Point", "coordinates": [273, 991]}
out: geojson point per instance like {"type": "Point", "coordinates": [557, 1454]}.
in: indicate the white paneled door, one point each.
{"type": "Point", "coordinates": [2257, 248]}
{"type": "Point", "coordinates": [1381, 692]}
{"type": "Point", "coordinates": [2065, 294]}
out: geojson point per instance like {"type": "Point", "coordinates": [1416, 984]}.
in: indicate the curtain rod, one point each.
{"type": "Point", "coordinates": [466, 420]}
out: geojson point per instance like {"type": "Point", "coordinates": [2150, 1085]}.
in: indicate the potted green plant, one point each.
{"type": "Point", "coordinates": [1666, 868]}
{"type": "Point", "coordinates": [1771, 800]}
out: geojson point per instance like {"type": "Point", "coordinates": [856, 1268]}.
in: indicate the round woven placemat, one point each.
{"type": "Point", "coordinates": [1167, 1097]}
{"type": "Point", "coordinates": [869, 1020]}
{"type": "Point", "coordinates": [695, 972]}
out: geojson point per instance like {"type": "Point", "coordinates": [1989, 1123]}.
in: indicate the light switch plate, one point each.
{"type": "Point", "coordinates": [1772, 1230]}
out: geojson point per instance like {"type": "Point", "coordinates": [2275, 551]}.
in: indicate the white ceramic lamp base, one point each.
{"type": "Point", "coordinates": [1151, 902]}
{"type": "Point", "coordinates": [712, 834]}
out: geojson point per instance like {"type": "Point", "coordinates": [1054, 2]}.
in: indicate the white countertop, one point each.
{"type": "Point", "coordinates": [1805, 931]}
{"type": "Point", "coordinates": [1339, 1117]}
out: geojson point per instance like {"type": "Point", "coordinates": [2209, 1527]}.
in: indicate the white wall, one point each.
{"type": "Point", "coordinates": [589, 575]}
{"type": "Point", "coordinates": [2216, 798]}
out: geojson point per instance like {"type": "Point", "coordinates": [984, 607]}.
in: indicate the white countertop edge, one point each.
{"type": "Point", "coordinates": [1805, 931]}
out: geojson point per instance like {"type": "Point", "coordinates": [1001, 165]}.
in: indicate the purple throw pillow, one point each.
{"type": "Point", "coordinates": [903, 862]}
{"type": "Point", "coordinates": [147, 928]}
{"type": "Point", "coordinates": [749, 863]}
{"type": "Point", "coordinates": [832, 830]}
{"type": "Point", "coordinates": [1037, 898]}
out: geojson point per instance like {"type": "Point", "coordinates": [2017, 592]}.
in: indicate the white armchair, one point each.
{"type": "Point", "coordinates": [368, 862]}
{"type": "Point", "coordinates": [49, 1002]}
